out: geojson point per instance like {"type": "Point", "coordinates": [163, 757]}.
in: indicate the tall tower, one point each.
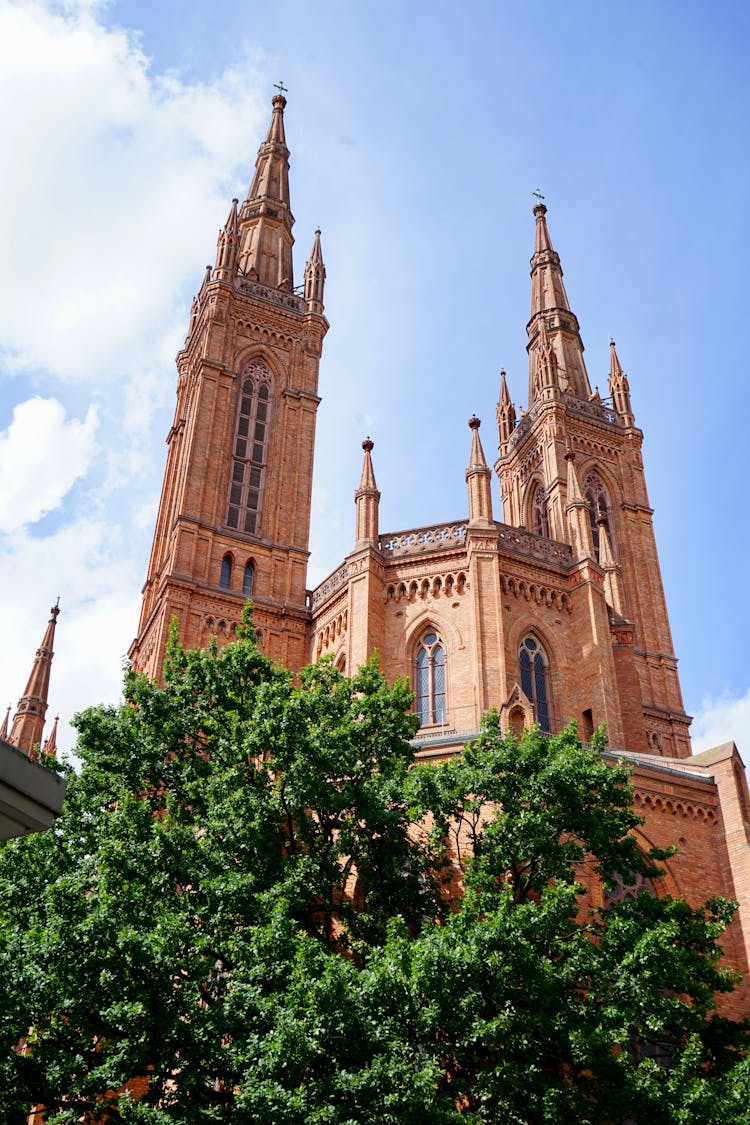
{"type": "Point", "coordinates": [571, 470]}
{"type": "Point", "coordinates": [234, 514]}
{"type": "Point", "coordinates": [28, 721]}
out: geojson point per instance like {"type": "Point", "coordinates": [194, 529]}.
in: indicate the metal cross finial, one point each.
{"type": "Point", "coordinates": [538, 195]}
{"type": "Point", "coordinates": [280, 87]}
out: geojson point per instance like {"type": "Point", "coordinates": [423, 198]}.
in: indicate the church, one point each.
{"type": "Point", "coordinates": [556, 612]}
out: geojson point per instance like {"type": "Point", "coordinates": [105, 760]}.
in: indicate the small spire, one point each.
{"type": "Point", "coordinates": [619, 387]}
{"type": "Point", "coordinates": [367, 500]}
{"type": "Point", "coordinates": [612, 578]}
{"type": "Point", "coordinates": [506, 414]}
{"type": "Point", "coordinates": [28, 721]}
{"type": "Point", "coordinates": [315, 276]}
{"type": "Point", "coordinates": [227, 247]}
{"type": "Point", "coordinates": [478, 480]}
{"type": "Point", "coordinates": [4, 727]}
{"type": "Point", "coordinates": [50, 743]}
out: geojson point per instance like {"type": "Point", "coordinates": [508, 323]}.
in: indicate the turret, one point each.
{"type": "Point", "coordinates": [28, 721]}
{"type": "Point", "coordinates": [265, 218]}
{"type": "Point", "coordinates": [367, 499]}
{"type": "Point", "coordinates": [478, 480]}
{"type": "Point", "coordinates": [619, 388]}
{"type": "Point", "coordinates": [552, 324]}
{"type": "Point", "coordinates": [315, 276]}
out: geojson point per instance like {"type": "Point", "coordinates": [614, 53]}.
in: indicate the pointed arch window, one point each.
{"type": "Point", "coordinates": [535, 679]}
{"type": "Point", "coordinates": [539, 517]}
{"type": "Point", "coordinates": [225, 579]}
{"type": "Point", "coordinates": [249, 452]}
{"type": "Point", "coordinates": [248, 580]}
{"type": "Point", "coordinates": [430, 679]}
{"type": "Point", "coordinates": [598, 499]}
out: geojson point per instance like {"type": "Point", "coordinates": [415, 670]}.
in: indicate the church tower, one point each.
{"type": "Point", "coordinates": [571, 470]}
{"type": "Point", "coordinates": [234, 514]}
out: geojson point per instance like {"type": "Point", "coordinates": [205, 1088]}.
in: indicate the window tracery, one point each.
{"type": "Point", "coordinates": [598, 499]}
{"type": "Point", "coordinates": [535, 679]}
{"type": "Point", "coordinates": [249, 452]}
{"type": "Point", "coordinates": [430, 679]}
{"type": "Point", "coordinates": [539, 516]}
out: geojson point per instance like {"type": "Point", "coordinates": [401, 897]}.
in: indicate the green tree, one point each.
{"type": "Point", "coordinates": [257, 908]}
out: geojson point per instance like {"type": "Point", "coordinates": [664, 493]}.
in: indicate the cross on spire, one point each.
{"type": "Point", "coordinates": [280, 87]}
{"type": "Point", "coordinates": [538, 195]}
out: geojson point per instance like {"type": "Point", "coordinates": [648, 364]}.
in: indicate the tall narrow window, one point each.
{"type": "Point", "coordinates": [248, 580]}
{"type": "Point", "coordinates": [539, 519]}
{"type": "Point", "coordinates": [600, 507]}
{"type": "Point", "coordinates": [430, 679]}
{"type": "Point", "coordinates": [249, 454]}
{"type": "Point", "coordinates": [226, 572]}
{"type": "Point", "coordinates": [535, 679]}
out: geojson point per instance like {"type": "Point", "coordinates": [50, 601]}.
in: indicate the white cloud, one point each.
{"type": "Point", "coordinates": [41, 456]}
{"type": "Point", "coordinates": [108, 173]}
{"type": "Point", "coordinates": [726, 719]}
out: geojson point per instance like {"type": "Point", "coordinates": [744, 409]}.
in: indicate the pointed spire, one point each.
{"type": "Point", "coordinates": [619, 388]}
{"type": "Point", "coordinates": [4, 727]}
{"type": "Point", "coordinates": [577, 513]}
{"type": "Point", "coordinates": [265, 218]}
{"type": "Point", "coordinates": [315, 276]}
{"type": "Point", "coordinates": [28, 721]}
{"type": "Point", "coordinates": [506, 415]}
{"type": "Point", "coordinates": [227, 247]}
{"type": "Point", "coordinates": [50, 743]}
{"type": "Point", "coordinates": [552, 316]}
{"type": "Point", "coordinates": [478, 479]}
{"type": "Point", "coordinates": [367, 500]}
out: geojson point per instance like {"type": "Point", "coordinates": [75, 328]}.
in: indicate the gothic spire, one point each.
{"type": "Point", "coordinates": [315, 276]}
{"type": "Point", "coordinates": [50, 743]}
{"type": "Point", "coordinates": [265, 217]}
{"type": "Point", "coordinates": [4, 727]}
{"type": "Point", "coordinates": [28, 721]}
{"type": "Point", "coordinates": [619, 388]}
{"type": "Point", "coordinates": [478, 479]}
{"type": "Point", "coordinates": [367, 499]}
{"type": "Point", "coordinates": [553, 328]}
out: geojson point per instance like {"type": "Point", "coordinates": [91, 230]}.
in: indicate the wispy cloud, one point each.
{"type": "Point", "coordinates": [725, 719]}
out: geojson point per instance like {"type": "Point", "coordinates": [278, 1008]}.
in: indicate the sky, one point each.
{"type": "Point", "coordinates": [418, 133]}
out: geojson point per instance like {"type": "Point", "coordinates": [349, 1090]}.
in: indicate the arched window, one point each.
{"type": "Point", "coordinates": [249, 454]}
{"type": "Point", "coordinates": [226, 572]}
{"type": "Point", "coordinates": [535, 679]}
{"type": "Point", "coordinates": [430, 679]}
{"type": "Point", "coordinates": [539, 519]}
{"type": "Point", "coordinates": [248, 580]}
{"type": "Point", "coordinates": [600, 507]}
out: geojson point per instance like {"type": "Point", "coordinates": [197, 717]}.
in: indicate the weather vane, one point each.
{"type": "Point", "coordinates": [538, 195]}
{"type": "Point", "coordinates": [280, 87]}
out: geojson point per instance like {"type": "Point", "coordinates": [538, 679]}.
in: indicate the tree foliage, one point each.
{"type": "Point", "coordinates": [256, 907]}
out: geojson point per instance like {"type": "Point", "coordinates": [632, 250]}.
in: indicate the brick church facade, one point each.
{"type": "Point", "coordinates": [557, 612]}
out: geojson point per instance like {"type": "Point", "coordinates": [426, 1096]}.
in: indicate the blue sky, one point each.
{"type": "Point", "coordinates": [418, 133]}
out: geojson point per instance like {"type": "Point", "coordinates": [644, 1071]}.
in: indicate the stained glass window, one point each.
{"type": "Point", "coordinates": [249, 453]}
{"type": "Point", "coordinates": [430, 679]}
{"type": "Point", "coordinates": [535, 679]}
